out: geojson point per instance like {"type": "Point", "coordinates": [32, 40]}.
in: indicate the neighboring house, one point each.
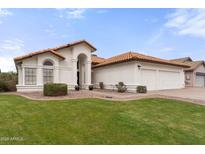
{"type": "Point", "coordinates": [195, 74]}
{"type": "Point", "coordinates": [71, 64]}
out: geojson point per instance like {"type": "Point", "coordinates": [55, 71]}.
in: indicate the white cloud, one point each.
{"type": "Point", "coordinates": [15, 45]}
{"type": "Point", "coordinates": [8, 50]}
{"type": "Point", "coordinates": [187, 22]}
{"type": "Point", "coordinates": [76, 13]}
{"type": "Point", "coordinates": [71, 13]}
{"type": "Point", "coordinates": [5, 12]}
{"type": "Point", "coordinates": [7, 64]}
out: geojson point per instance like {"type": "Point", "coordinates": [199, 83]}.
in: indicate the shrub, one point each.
{"type": "Point", "coordinates": [77, 88]}
{"type": "Point", "coordinates": [8, 81]}
{"type": "Point", "coordinates": [2, 86]}
{"type": "Point", "coordinates": [121, 87]}
{"type": "Point", "coordinates": [55, 89]}
{"type": "Point", "coordinates": [141, 89]}
{"type": "Point", "coordinates": [8, 76]}
{"type": "Point", "coordinates": [90, 87]}
{"type": "Point", "coordinates": [101, 84]}
{"type": "Point", "coordinates": [6, 86]}
{"type": "Point", "coordinates": [10, 85]}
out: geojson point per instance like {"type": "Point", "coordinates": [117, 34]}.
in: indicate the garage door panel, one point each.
{"type": "Point", "coordinates": [200, 79]}
{"type": "Point", "coordinates": [168, 80]}
{"type": "Point", "coordinates": [149, 78]}
{"type": "Point", "coordinates": [161, 79]}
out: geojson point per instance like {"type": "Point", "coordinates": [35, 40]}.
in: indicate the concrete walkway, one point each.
{"type": "Point", "coordinates": [194, 95]}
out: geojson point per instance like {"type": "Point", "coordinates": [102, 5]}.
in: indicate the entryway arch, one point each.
{"type": "Point", "coordinates": [82, 70]}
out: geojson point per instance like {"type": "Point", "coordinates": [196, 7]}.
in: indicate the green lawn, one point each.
{"type": "Point", "coordinates": [95, 121]}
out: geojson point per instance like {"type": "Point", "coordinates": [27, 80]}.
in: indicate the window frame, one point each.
{"type": "Point", "coordinates": [48, 63]}
{"type": "Point", "coordinates": [30, 76]}
{"type": "Point", "coordinates": [49, 77]}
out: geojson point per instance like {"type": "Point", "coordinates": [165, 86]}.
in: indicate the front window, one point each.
{"type": "Point", "coordinates": [48, 72]}
{"type": "Point", "coordinates": [47, 75]}
{"type": "Point", "coordinates": [30, 76]}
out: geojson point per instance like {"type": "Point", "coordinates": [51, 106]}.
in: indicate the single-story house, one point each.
{"type": "Point", "coordinates": [75, 64]}
{"type": "Point", "coordinates": [195, 74]}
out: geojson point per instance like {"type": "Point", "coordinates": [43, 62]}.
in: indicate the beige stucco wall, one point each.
{"type": "Point", "coordinates": [158, 76]}
{"type": "Point", "coordinates": [189, 77]}
{"type": "Point", "coordinates": [65, 71]}
{"type": "Point", "coordinates": [200, 69]}
{"type": "Point", "coordinates": [112, 74]}
{"type": "Point", "coordinates": [68, 67]}
{"type": "Point", "coordinates": [192, 74]}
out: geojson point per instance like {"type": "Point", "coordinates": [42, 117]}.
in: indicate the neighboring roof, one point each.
{"type": "Point", "coordinates": [182, 60]}
{"type": "Point", "coordinates": [96, 60]}
{"type": "Point", "coordinates": [193, 65]}
{"type": "Point", "coordinates": [188, 61]}
{"type": "Point", "coordinates": [53, 50]}
{"type": "Point", "coordinates": [137, 56]}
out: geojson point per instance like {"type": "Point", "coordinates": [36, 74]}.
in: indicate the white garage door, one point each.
{"type": "Point", "coordinates": [149, 78]}
{"type": "Point", "coordinates": [169, 80]}
{"type": "Point", "coordinates": [200, 79]}
{"type": "Point", "coordinates": [164, 79]}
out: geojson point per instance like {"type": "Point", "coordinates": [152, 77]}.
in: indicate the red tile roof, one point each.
{"type": "Point", "coordinates": [37, 53]}
{"type": "Point", "coordinates": [96, 60]}
{"type": "Point", "coordinates": [53, 50]}
{"type": "Point", "coordinates": [137, 56]}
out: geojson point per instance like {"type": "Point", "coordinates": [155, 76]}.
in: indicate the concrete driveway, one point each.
{"type": "Point", "coordinates": [193, 94]}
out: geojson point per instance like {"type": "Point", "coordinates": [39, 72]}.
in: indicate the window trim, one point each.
{"type": "Point", "coordinates": [49, 61]}
{"type": "Point", "coordinates": [30, 79]}
{"type": "Point", "coordinates": [47, 76]}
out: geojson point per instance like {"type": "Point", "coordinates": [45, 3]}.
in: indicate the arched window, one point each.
{"type": "Point", "coordinates": [47, 72]}
{"type": "Point", "coordinates": [48, 63]}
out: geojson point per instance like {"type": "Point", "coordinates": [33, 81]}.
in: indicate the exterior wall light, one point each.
{"type": "Point", "coordinates": [139, 66]}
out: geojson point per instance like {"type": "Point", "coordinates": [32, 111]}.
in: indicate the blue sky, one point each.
{"type": "Point", "coordinates": [164, 33]}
